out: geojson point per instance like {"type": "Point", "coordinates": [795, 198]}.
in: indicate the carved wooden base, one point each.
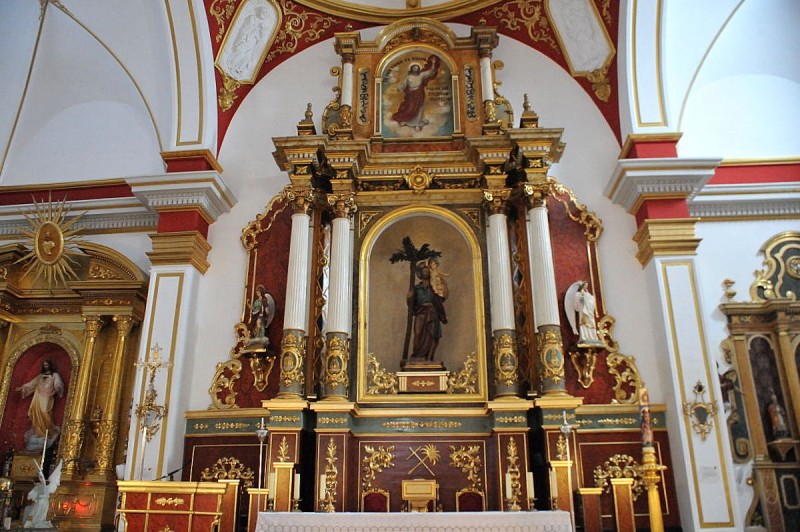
{"type": "Point", "coordinates": [422, 381]}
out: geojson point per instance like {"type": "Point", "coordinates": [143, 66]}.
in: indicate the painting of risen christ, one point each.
{"type": "Point", "coordinates": [416, 97]}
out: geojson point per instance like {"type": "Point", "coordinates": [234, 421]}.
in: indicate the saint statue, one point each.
{"type": "Point", "coordinates": [777, 418]}
{"type": "Point", "coordinates": [44, 387]}
{"type": "Point", "coordinates": [411, 110]}
{"type": "Point", "coordinates": [426, 303]}
{"type": "Point", "coordinates": [580, 303]}
{"type": "Point", "coordinates": [262, 311]}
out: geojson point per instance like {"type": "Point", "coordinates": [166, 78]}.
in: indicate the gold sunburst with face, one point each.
{"type": "Point", "coordinates": [52, 241]}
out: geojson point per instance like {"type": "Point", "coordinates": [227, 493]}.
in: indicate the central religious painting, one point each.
{"type": "Point", "coordinates": [416, 89]}
{"type": "Point", "coordinates": [421, 306]}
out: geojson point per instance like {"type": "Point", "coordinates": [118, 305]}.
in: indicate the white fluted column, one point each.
{"type": "Point", "coordinates": [293, 343]}
{"type": "Point", "coordinates": [545, 304]}
{"type": "Point", "coordinates": [335, 371]}
{"type": "Point", "coordinates": [501, 294]}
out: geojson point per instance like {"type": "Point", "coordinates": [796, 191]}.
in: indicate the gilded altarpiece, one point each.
{"type": "Point", "coordinates": [462, 398]}
{"type": "Point", "coordinates": [762, 354]}
{"type": "Point", "coordinates": [77, 329]}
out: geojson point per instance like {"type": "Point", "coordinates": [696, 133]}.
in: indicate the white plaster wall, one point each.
{"type": "Point", "coordinates": [733, 77]}
{"type": "Point", "coordinates": [83, 117]}
{"type": "Point", "coordinates": [277, 103]}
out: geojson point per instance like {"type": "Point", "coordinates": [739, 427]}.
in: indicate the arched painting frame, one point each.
{"type": "Point", "coordinates": [24, 364]}
{"type": "Point", "coordinates": [382, 307]}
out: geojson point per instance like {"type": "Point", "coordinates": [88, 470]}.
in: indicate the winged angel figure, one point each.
{"type": "Point", "coordinates": [35, 515]}
{"type": "Point", "coordinates": [581, 309]}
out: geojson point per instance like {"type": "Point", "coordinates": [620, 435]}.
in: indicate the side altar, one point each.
{"type": "Point", "coordinates": [424, 326]}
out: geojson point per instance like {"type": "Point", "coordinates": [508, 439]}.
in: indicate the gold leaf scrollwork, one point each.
{"type": "Point", "coordinates": [593, 227]}
{"type": "Point", "coordinates": [605, 331]}
{"type": "Point", "coordinates": [626, 374]}
{"type": "Point", "coordinates": [561, 448]}
{"type": "Point", "coordinates": [506, 363]}
{"type": "Point", "coordinates": [230, 468]}
{"type": "Point", "coordinates": [300, 25]}
{"type": "Point", "coordinates": [466, 379]}
{"type": "Point", "coordinates": [375, 461]}
{"type": "Point", "coordinates": [223, 395]}
{"type": "Point", "coordinates": [221, 10]}
{"type": "Point", "coordinates": [263, 221]}
{"type": "Point", "coordinates": [619, 466]}
{"type": "Point", "coordinates": [379, 381]}
{"type": "Point", "coordinates": [292, 348]}
{"type": "Point", "coordinates": [170, 501]}
{"type": "Point", "coordinates": [468, 459]}
{"type": "Point", "coordinates": [106, 439]}
{"type": "Point", "coordinates": [531, 15]}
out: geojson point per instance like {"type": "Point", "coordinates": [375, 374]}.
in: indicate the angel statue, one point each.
{"type": "Point", "coordinates": [35, 515]}
{"type": "Point", "coordinates": [262, 311]}
{"type": "Point", "coordinates": [581, 309]}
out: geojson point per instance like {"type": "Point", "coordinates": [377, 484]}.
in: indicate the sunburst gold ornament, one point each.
{"type": "Point", "coordinates": [53, 243]}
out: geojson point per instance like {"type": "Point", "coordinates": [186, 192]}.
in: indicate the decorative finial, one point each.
{"type": "Point", "coordinates": [729, 291]}
{"type": "Point", "coordinates": [348, 27]}
{"type": "Point", "coordinates": [309, 114]}
{"type": "Point", "coordinates": [526, 105]}
{"type": "Point", "coordinates": [482, 22]}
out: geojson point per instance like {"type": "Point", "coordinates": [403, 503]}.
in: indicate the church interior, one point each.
{"type": "Point", "coordinates": [498, 264]}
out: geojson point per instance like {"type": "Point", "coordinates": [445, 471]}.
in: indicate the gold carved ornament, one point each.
{"type": "Point", "coordinates": [283, 450]}
{"type": "Point", "coordinates": [299, 26]}
{"type": "Point", "coordinates": [577, 211]}
{"type": "Point", "coordinates": [336, 117]}
{"type": "Point", "coordinates": [264, 221]}
{"type": "Point", "coordinates": [561, 447]}
{"type": "Point", "coordinates": [504, 113]}
{"type": "Point", "coordinates": [229, 468]}
{"type": "Point", "coordinates": [53, 243]}
{"type": "Point", "coordinates": [379, 381]}
{"type": "Point", "coordinates": [331, 477]}
{"type": "Point", "coordinates": [418, 180]}
{"type": "Point", "coordinates": [619, 466]}
{"type": "Point", "coordinates": [170, 501]}
{"type": "Point", "coordinates": [550, 356]}
{"type": "Point", "coordinates": [336, 362]}
{"type": "Point", "coordinates": [466, 379]}
{"type": "Point", "coordinates": [429, 454]}
{"type": "Point", "coordinates": [626, 374]}
{"type": "Point", "coordinates": [505, 357]}
{"type": "Point", "coordinates": [292, 349]}
{"type": "Point", "coordinates": [468, 459]}
{"type": "Point", "coordinates": [221, 10]}
{"type": "Point", "coordinates": [375, 461]}
{"type": "Point", "coordinates": [222, 392]}
{"type": "Point", "coordinates": [530, 14]}
{"type": "Point", "coordinates": [512, 473]}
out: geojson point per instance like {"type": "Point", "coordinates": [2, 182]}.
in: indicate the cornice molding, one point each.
{"type": "Point", "coordinates": [204, 190]}
{"type": "Point", "coordinates": [744, 202]}
{"type": "Point", "coordinates": [637, 180]}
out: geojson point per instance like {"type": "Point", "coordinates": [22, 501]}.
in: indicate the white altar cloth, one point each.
{"type": "Point", "coordinates": [407, 522]}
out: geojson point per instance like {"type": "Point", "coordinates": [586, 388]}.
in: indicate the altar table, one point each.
{"type": "Point", "coordinates": [556, 521]}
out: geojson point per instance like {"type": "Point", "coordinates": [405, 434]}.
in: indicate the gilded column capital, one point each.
{"type": "Point", "coordinates": [343, 205]}
{"type": "Point", "coordinates": [300, 199]}
{"type": "Point", "coordinates": [94, 324]}
{"type": "Point", "coordinates": [124, 324]}
{"type": "Point", "coordinates": [535, 194]}
{"type": "Point", "coordinates": [496, 200]}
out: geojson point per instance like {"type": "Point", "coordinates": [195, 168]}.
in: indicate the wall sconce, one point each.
{"type": "Point", "coordinates": [700, 413]}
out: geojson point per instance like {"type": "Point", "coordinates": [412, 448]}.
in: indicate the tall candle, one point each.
{"type": "Point", "coordinates": [529, 478]}
{"type": "Point", "coordinates": [262, 424]}
{"type": "Point", "coordinates": [271, 486]}
{"type": "Point", "coordinates": [297, 486]}
{"type": "Point", "coordinates": [322, 487]}
{"type": "Point", "coordinates": [553, 484]}
{"type": "Point", "coordinates": [508, 486]}
{"type": "Point", "coordinates": [44, 448]}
